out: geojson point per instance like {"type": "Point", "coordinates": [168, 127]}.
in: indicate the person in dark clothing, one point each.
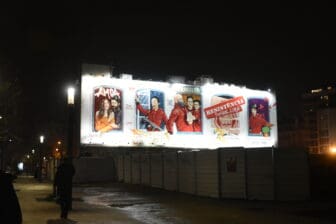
{"type": "Point", "coordinates": [116, 108]}
{"type": "Point", "coordinates": [63, 183]}
{"type": "Point", "coordinates": [10, 210]}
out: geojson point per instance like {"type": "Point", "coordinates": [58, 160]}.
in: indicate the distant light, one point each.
{"type": "Point", "coordinates": [20, 166]}
{"type": "Point", "coordinates": [316, 90]}
{"type": "Point", "coordinates": [59, 142]}
{"type": "Point", "coordinates": [333, 150]}
{"type": "Point", "coordinates": [107, 74]}
{"type": "Point", "coordinates": [33, 151]}
{"type": "Point", "coordinates": [269, 90]}
{"type": "Point", "coordinates": [206, 80]}
{"type": "Point", "coordinates": [41, 139]}
{"type": "Point", "coordinates": [10, 140]}
{"type": "Point", "coordinates": [176, 79]}
{"type": "Point", "coordinates": [126, 76]}
{"type": "Point", "coordinates": [44, 158]}
{"type": "Point", "coordinates": [57, 149]}
{"type": "Point", "coordinates": [71, 95]}
{"type": "Point", "coordinates": [0, 117]}
{"type": "Point", "coordinates": [28, 156]}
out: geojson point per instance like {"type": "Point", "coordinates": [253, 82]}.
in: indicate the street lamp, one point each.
{"type": "Point", "coordinates": [40, 158]}
{"type": "Point", "coordinates": [71, 107]}
{"type": "Point", "coordinates": [71, 96]}
{"type": "Point", "coordinates": [41, 139]}
{"type": "Point", "coordinates": [59, 150]}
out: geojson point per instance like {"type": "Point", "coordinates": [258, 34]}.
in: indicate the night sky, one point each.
{"type": "Point", "coordinates": [260, 46]}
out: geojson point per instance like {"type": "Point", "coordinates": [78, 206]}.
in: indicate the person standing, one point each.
{"type": "Point", "coordinates": [198, 116]}
{"type": "Point", "coordinates": [10, 210]}
{"type": "Point", "coordinates": [116, 109]}
{"type": "Point", "coordinates": [63, 183]}
{"type": "Point", "coordinates": [178, 116]}
{"type": "Point", "coordinates": [189, 112]}
{"type": "Point", "coordinates": [257, 122]}
{"type": "Point", "coordinates": [155, 115]}
{"type": "Point", "coordinates": [104, 118]}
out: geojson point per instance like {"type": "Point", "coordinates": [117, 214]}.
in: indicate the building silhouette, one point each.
{"type": "Point", "coordinates": [315, 129]}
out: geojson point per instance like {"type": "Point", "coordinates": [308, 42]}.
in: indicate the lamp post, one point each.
{"type": "Point", "coordinates": [71, 107]}
{"type": "Point", "coordinates": [71, 111]}
{"type": "Point", "coordinates": [57, 155]}
{"type": "Point", "coordinates": [2, 148]}
{"type": "Point", "coordinates": [40, 158]}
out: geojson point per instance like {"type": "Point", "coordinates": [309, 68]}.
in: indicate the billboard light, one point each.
{"type": "Point", "coordinates": [126, 76]}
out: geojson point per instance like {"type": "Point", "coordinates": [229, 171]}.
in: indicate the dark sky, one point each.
{"type": "Point", "coordinates": [288, 49]}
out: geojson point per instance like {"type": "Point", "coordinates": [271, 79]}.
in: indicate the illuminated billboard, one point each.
{"type": "Point", "coordinates": [134, 113]}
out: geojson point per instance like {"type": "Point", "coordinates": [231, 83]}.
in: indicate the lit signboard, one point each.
{"type": "Point", "coordinates": [134, 113]}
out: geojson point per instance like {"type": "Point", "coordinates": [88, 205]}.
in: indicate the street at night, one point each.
{"type": "Point", "coordinates": [167, 113]}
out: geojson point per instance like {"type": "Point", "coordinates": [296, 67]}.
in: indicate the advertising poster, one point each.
{"type": "Point", "coordinates": [135, 113]}
{"type": "Point", "coordinates": [107, 109]}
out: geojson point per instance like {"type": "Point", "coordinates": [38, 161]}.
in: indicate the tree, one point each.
{"type": "Point", "coordinates": [10, 118]}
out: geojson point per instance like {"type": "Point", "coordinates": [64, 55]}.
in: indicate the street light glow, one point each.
{"type": "Point", "coordinates": [71, 95]}
{"type": "Point", "coordinates": [41, 139]}
{"type": "Point", "coordinates": [333, 150]}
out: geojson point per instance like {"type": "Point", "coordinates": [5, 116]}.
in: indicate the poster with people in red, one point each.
{"type": "Point", "coordinates": [132, 113]}
{"type": "Point", "coordinates": [186, 114]}
{"type": "Point", "coordinates": [259, 124]}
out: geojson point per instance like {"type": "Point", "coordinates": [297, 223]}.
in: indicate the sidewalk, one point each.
{"type": "Point", "coordinates": [38, 207]}
{"type": "Point", "coordinates": [120, 203]}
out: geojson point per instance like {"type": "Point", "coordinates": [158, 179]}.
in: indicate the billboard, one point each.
{"type": "Point", "coordinates": [134, 113]}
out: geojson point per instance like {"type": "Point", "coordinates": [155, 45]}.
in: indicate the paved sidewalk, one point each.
{"type": "Point", "coordinates": [119, 203]}
{"type": "Point", "coordinates": [38, 207]}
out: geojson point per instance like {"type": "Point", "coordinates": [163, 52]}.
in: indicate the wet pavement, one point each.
{"type": "Point", "coordinates": [126, 203]}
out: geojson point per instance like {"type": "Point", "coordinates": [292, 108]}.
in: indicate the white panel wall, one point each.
{"type": "Point", "coordinates": [120, 165]}
{"type": "Point", "coordinates": [207, 173]}
{"type": "Point", "coordinates": [260, 175]}
{"type": "Point", "coordinates": [252, 174]}
{"type": "Point", "coordinates": [233, 180]}
{"type": "Point", "coordinates": [93, 169]}
{"type": "Point", "coordinates": [292, 174]}
{"type": "Point", "coordinates": [156, 170]}
{"type": "Point", "coordinates": [136, 168]}
{"type": "Point", "coordinates": [170, 171]}
{"type": "Point", "coordinates": [127, 169]}
{"type": "Point", "coordinates": [145, 168]}
{"type": "Point", "coordinates": [187, 172]}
